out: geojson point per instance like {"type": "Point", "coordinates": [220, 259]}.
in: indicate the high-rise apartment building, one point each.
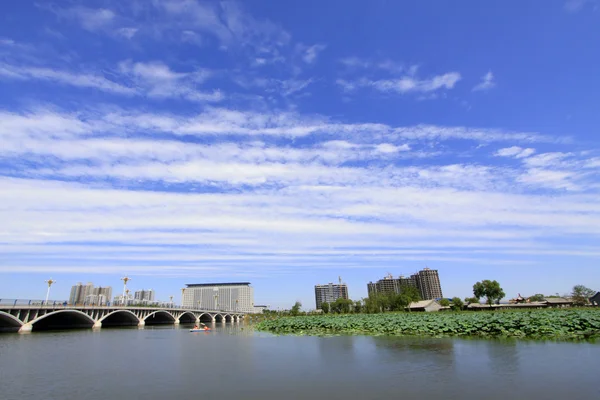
{"type": "Point", "coordinates": [389, 284]}
{"type": "Point", "coordinates": [144, 296]}
{"type": "Point", "coordinates": [426, 281]}
{"type": "Point", "coordinates": [88, 294]}
{"type": "Point", "coordinates": [229, 296]}
{"type": "Point", "coordinates": [330, 293]}
{"type": "Point", "coordinates": [79, 292]}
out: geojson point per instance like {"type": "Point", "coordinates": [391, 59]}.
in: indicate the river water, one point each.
{"type": "Point", "coordinates": [234, 362]}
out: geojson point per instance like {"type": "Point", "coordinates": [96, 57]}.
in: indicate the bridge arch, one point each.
{"type": "Point", "coordinates": [120, 318]}
{"type": "Point", "coordinates": [219, 318]}
{"type": "Point", "coordinates": [206, 317]}
{"type": "Point", "coordinates": [187, 317]}
{"type": "Point", "coordinates": [9, 323]}
{"type": "Point", "coordinates": [228, 318]}
{"type": "Point", "coordinates": [159, 317]}
{"type": "Point", "coordinates": [62, 319]}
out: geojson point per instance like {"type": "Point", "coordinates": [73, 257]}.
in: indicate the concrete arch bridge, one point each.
{"type": "Point", "coordinates": [48, 317]}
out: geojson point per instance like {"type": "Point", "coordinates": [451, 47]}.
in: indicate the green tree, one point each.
{"type": "Point", "coordinates": [296, 308]}
{"type": "Point", "coordinates": [445, 303]}
{"type": "Point", "coordinates": [358, 307]}
{"type": "Point", "coordinates": [491, 290]}
{"type": "Point", "coordinates": [471, 300]}
{"type": "Point", "coordinates": [457, 304]}
{"type": "Point", "coordinates": [537, 297]}
{"type": "Point", "coordinates": [581, 295]}
{"type": "Point", "coordinates": [341, 306]}
{"type": "Point", "coordinates": [325, 308]}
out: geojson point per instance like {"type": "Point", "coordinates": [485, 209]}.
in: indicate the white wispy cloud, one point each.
{"type": "Point", "coordinates": [357, 63]}
{"type": "Point", "coordinates": [127, 32]}
{"type": "Point", "coordinates": [487, 82]}
{"type": "Point", "coordinates": [405, 84]}
{"type": "Point", "coordinates": [310, 53]}
{"type": "Point", "coordinates": [64, 78]}
{"type": "Point", "coordinates": [152, 79]}
{"type": "Point", "coordinates": [515, 151]}
{"type": "Point", "coordinates": [92, 19]}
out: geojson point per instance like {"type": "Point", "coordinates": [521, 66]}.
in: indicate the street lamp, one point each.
{"type": "Point", "coordinates": [125, 279]}
{"type": "Point", "coordinates": [216, 302]}
{"type": "Point", "coordinates": [49, 282]}
{"type": "Point", "coordinates": [171, 298]}
{"type": "Point", "coordinates": [198, 305]}
{"type": "Point", "coordinates": [127, 297]}
{"type": "Point", "coordinates": [182, 292]}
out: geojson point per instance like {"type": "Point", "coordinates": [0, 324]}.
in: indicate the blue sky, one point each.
{"type": "Point", "coordinates": [289, 143]}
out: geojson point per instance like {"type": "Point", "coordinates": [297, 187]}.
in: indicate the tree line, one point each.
{"type": "Point", "coordinates": [490, 290]}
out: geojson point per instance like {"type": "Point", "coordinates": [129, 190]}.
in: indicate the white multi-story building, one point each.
{"type": "Point", "coordinates": [80, 292]}
{"type": "Point", "coordinates": [232, 297]}
{"type": "Point", "coordinates": [144, 295]}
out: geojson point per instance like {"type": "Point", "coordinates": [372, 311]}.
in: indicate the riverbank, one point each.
{"type": "Point", "coordinates": [538, 324]}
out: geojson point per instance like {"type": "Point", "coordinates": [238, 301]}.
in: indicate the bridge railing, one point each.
{"type": "Point", "coordinates": [24, 303]}
{"type": "Point", "coordinates": [33, 303]}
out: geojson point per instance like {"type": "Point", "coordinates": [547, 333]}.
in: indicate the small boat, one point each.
{"type": "Point", "coordinates": [201, 329]}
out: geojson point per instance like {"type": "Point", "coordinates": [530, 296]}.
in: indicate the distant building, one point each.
{"type": "Point", "coordinates": [228, 296]}
{"type": "Point", "coordinates": [80, 292]}
{"type": "Point", "coordinates": [389, 284]}
{"type": "Point", "coordinates": [558, 302]}
{"type": "Point", "coordinates": [595, 299]}
{"type": "Point", "coordinates": [330, 293]}
{"type": "Point", "coordinates": [144, 296]}
{"type": "Point", "coordinates": [425, 306]}
{"type": "Point", "coordinates": [427, 282]}
{"type": "Point", "coordinates": [259, 309]}
{"type": "Point", "coordinates": [119, 300]}
{"type": "Point", "coordinates": [103, 294]}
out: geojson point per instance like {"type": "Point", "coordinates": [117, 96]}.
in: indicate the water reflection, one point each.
{"type": "Point", "coordinates": [233, 362]}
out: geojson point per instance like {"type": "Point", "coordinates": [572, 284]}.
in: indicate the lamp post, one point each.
{"type": "Point", "coordinates": [216, 302]}
{"type": "Point", "coordinates": [182, 292]}
{"type": "Point", "coordinates": [125, 279]}
{"type": "Point", "coordinates": [49, 282]}
{"type": "Point", "coordinates": [198, 305]}
{"type": "Point", "coordinates": [171, 301]}
{"type": "Point", "coordinates": [127, 297]}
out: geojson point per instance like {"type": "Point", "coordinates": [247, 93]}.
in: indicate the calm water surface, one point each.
{"type": "Point", "coordinates": [232, 362]}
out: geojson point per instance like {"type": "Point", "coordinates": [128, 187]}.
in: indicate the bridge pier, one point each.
{"type": "Point", "coordinates": [26, 328]}
{"type": "Point", "coordinates": [97, 325]}
{"type": "Point", "coordinates": [177, 322]}
{"type": "Point", "coordinates": [142, 323]}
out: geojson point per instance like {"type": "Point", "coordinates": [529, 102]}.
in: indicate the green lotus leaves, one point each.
{"type": "Point", "coordinates": [534, 324]}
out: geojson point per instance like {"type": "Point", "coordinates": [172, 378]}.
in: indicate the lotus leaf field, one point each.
{"type": "Point", "coordinates": [536, 324]}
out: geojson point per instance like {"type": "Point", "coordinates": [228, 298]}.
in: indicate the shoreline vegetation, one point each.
{"type": "Point", "coordinates": [571, 324]}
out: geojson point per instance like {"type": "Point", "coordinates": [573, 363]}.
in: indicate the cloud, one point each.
{"type": "Point", "coordinates": [64, 78]}
{"type": "Point", "coordinates": [405, 84]}
{"type": "Point", "coordinates": [487, 82]}
{"type": "Point", "coordinates": [192, 37]}
{"type": "Point", "coordinates": [91, 19]}
{"type": "Point", "coordinates": [152, 79]}
{"type": "Point", "coordinates": [577, 5]}
{"type": "Point", "coordinates": [310, 54]}
{"type": "Point", "coordinates": [387, 65]}
{"type": "Point", "coordinates": [515, 151]}
{"type": "Point", "coordinates": [277, 188]}
{"type": "Point", "coordinates": [228, 22]}
{"type": "Point", "coordinates": [127, 32]}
